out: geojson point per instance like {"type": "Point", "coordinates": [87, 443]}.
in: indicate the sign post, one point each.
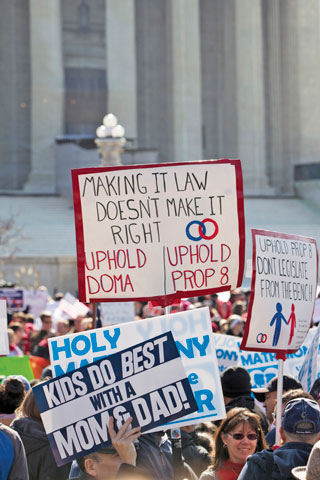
{"type": "Point", "coordinates": [284, 283]}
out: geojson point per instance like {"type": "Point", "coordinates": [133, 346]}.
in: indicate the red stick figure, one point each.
{"type": "Point", "coordinates": [292, 321]}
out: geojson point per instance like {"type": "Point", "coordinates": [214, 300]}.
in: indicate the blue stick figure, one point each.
{"type": "Point", "coordinates": [277, 317]}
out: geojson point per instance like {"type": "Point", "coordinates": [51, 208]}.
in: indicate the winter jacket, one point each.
{"type": "Point", "coordinates": [41, 463]}
{"type": "Point", "coordinates": [195, 455]}
{"type": "Point", "coordinates": [279, 462]}
{"type": "Point", "coordinates": [13, 463]}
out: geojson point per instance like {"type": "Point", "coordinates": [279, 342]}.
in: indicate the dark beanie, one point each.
{"type": "Point", "coordinates": [235, 382]}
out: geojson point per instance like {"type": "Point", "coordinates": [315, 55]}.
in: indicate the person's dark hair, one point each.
{"type": "Point", "coordinates": [235, 416]}
{"type": "Point", "coordinates": [16, 326]}
{"type": "Point", "coordinates": [81, 460]}
{"type": "Point", "coordinates": [29, 318]}
{"type": "Point", "coordinates": [12, 393]}
{"type": "Point", "coordinates": [206, 427]}
{"type": "Point", "coordinates": [237, 308]}
{"type": "Point", "coordinates": [205, 440]}
{"type": "Point", "coordinates": [29, 407]}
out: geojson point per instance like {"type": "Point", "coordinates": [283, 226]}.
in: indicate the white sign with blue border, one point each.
{"type": "Point", "coordinates": [146, 381]}
{"type": "Point", "coordinates": [192, 333]}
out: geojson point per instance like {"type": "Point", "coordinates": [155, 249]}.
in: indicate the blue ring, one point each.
{"type": "Point", "coordinates": [195, 222]}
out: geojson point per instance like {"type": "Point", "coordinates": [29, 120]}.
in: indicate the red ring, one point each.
{"type": "Point", "coordinates": [215, 233]}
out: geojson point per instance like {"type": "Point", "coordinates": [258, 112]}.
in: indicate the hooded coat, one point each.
{"type": "Point", "coordinates": [276, 465]}
{"type": "Point", "coordinates": [41, 462]}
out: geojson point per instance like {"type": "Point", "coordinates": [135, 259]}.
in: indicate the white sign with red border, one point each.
{"type": "Point", "coordinates": [159, 232]}
{"type": "Point", "coordinates": [284, 283]}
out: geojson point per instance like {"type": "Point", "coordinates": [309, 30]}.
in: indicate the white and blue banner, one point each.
{"type": "Point", "coordinates": [309, 370]}
{"type": "Point", "coordinates": [192, 333]}
{"type": "Point", "coordinates": [263, 366]}
{"type": "Point", "coordinates": [146, 381]}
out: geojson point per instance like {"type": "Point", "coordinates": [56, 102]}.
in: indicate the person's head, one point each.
{"type": "Point", "coordinates": [46, 320]}
{"type": "Point", "coordinates": [18, 330]}
{"type": "Point", "coordinates": [87, 324]}
{"type": "Point", "coordinates": [312, 470]}
{"type": "Point", "coordinates": [18, 317]}
{"type": "Point", "coordinates": [288, 396]}
{"type": "Point", "coordinates": [235, 382]}
{"type": "Point", "coordinates": [12, 393]}
{"type": "Point", "coordinates": [238, 436]}
{"type": "Point", "coordinates": [78, 323]}
{"type": "Point", "coordinates": [29, 407]}
{"type": "Point", "coordinates": [63, 327]}
{"type": "Point", "coordinates": [236, 325]}
{"type": "Point", "coordinates": [268, 394]}
{"type": "Point", "coordinates": [238, 308]}
{"type": "Point", "coordinates": [300, 421]}
{"type": "Point", "coordinates": [102, 465]}
{"type": "Point", "coordinates": [25, 382]}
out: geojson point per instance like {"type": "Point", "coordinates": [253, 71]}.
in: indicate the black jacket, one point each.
{"type": "Point", "coordinates": [276, 465]}
{"type": "Point", "coordinates": [195, 455]}
{"type": "Point", "coordinates": [41, 462]}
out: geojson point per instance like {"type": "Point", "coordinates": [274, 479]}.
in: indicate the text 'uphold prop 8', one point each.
{"type": "Point", "coordinates": [159, 231]}
{"type": "Point", "coordinates": [284, 283]}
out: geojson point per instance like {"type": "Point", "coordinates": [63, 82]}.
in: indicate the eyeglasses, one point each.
{"type": "Point", "coordinates": [240, 436]}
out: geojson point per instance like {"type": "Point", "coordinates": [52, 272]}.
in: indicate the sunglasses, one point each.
{"type": "Point", "coordinates": [240, 436]}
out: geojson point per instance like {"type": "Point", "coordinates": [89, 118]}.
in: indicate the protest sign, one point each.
{"type": "Point", "coordinates": [146, 381]}
{"type": "Point", "coordinates": [316, 312]}
{"type": "Point", "coordinates": [16, 366]}
{"type": "Point", "coordinates": [4, 343]}
{"type": "Point", "coordinates": [160, 232]}
{"type": "Point", "coordinates": [116, 312]}
{"type": "Point", "coordinates": [35, 301]}
{"type": "Point", "coordinates": [71, 306]}
{"type": "Point", "coordinates": [262, 366]}
{"type": "Point", "coordinates": [193, 336]}
{"type": "Point", "coordinates": [284, 282]}
{"type": "Point", "coordinates": [13, 297]}
{"type": "Point", "coordinates": [309, 369]}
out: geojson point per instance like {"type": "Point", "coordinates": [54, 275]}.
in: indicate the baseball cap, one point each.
{"type": "Point", "coordinates": [312, 470]}
{"type": "Point", "coordinates": [289, 383]}
{"type": "Point", "coordinates": [301, 417]}
{"type": "Point", "coordinates": [107, 450]}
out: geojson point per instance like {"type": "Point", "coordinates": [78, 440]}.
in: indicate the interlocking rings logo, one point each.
{"type": "Point", "coordinates": [202, 230]}
{"type": "Point", "coordinates": [262, 337]}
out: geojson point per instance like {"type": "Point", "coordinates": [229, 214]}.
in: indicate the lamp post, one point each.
{"type": "Point", "coordinates": [110, 141]}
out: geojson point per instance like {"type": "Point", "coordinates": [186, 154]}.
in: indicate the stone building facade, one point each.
{"type": "Point", "coordinates": [190, 79]}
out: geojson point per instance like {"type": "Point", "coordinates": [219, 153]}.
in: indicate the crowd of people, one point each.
{"type": "Point", "coordinates": [241, 446]}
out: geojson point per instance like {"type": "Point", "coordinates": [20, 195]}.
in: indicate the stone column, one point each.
{"type": "Point", "coordinates": [276, 165]}
{"type": "Point", "coordinates": [47, 92]}
{"type": "Point", "coordinates": [250, 95]}
{"type": "Point", "coordinates": [14, 95]}
{"type": "Point", "coordinates": [186, 80]}
{"type": "Point", "coordinates": [308, 55]}
{"type": "Point", "coordinates": [121, 63]}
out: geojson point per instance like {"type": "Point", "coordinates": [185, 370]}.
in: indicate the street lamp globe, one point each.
{"type": "Point", "coordinates": [110, 120]}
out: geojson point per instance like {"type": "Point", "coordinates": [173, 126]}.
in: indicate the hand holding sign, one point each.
{"type": "Point", "coordinates": [123, 440]}
{"type": "Point", "coordinates": [145, 382]}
